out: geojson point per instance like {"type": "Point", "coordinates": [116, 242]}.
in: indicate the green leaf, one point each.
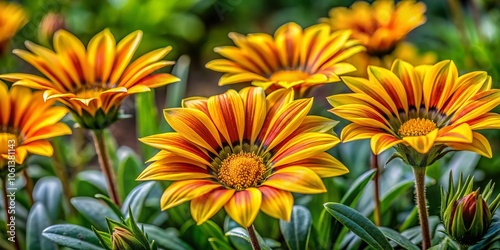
{"type": "Point", "coordinates": [168, 239]}
{"type": "Point", "coordinates": [110, 204]}
{"type": "Point", "coordinates": [38, 220]}
{"type": "Point", "coordinates": [389, 197]}
{"type": "Point", "coordinates": [242, 233]}
{"type": "Point", "coordinates": [177, 91]}
{"type": "Point", "coordinates": [217, 244]}
{"type": "Point", "coordinates": [48, 191]}
{"type": "Point", "coordinates": [398, 238]}
{"type": "Point", "coordinates": [73, 236]}
{"type": "Point", "coordinates": [352, 195]}
{"type": "Point", "coordinates": [297, 231]}
{"type": "Point", "coordinates": [147, 119]}
{"type": "Point", "coordinates": [128, 170]}
{"type": "Point", "coordinates": [135, 200]}
{"type": "Point", "coordinates": [411, 220]}
{"type": "Point", "coordinates": [94, 211]}
{"type": "Point", "coordinates": [359, 225]}
{"type": "Point", "coordinates": [90, 182]}
{"type": "Point", "coordinates": [210, 228]}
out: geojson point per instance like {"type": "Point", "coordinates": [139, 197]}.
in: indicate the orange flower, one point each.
{"type": "Point", "coordinates": [92, 82]}
{"type": "Point", "coordinates": [12, 19]}
{"type": "Point", "coordinates": [242, 151]}
{"type": "Point", "coordinates": [294, 58]}
{"type": "Point", "coordinates": [421, 110]}
{"type": "Point", "coordinates": [26, 124]}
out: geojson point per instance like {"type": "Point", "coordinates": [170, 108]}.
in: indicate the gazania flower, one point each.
{"type": "Point", "coordinates": [26, 124]}
{"type": "Point", "coordinates": [420, 110]}
{"type": "Point", "coordinates": [12, 18]}
{"type": "Point", "coordinates": [92, 82]}
{"type": "Point", "coordinates": [381, 26]}
{"type": "Point", "coordinates": [294, 58]}
{"type": "Point", "coordinates": [242, 151]}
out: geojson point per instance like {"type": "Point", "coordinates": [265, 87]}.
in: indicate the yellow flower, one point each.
{"type": "Point", "coordinates": [242, 151]}
{"type": "Point", "coordinates": [381, 26]}
{"type": "Point", "coordinates": [92, 82]}
{"type": "Point", "coordinates": [294, 58]}
{"type": "Point", "coordinates": [421, 110]}
{"type": "Point", "coordinates": [26, 122]}
{"type": "Point", "coordinates": [12, 18]}
{"type": "Point", "coordinates": [404, 51]}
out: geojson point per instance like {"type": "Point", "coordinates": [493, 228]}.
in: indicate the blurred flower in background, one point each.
{"type": "Point", "coordinates": [26, 124]}
{"type": "Point", "coordinates": [243, 151]}
{"type": "Point", "coordinates": [93, 82]}
{"type": "Point", "coordinates": [50, 23]}
{"type": "Point", "coordinates": [381, 27]}
{"type": "Point", "coordinates": [12, 18]}
{"type": "Point", "coordinates": [294, 58]}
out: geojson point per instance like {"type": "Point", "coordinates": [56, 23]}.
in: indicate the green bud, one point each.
{"type": "Point", "coordinates": [465, 213]}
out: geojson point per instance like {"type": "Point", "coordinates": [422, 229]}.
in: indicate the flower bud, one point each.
{"type": "Point", "coordinates": [50, 23]}
{"type": "Point", "coordinates": [465, 213]}
{"type": "Point", "coordinates": [122, 238]}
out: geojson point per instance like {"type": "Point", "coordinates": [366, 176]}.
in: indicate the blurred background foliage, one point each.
{"type": "Point", "coordinates": [466, 31]}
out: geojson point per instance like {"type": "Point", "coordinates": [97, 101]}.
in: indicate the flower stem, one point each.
{"type": "Point", "coordinates": [29, 186]}
{"type": "Point", "coordinates": [376, 192]}
{"type": "Point", "coordinates": [253, 237]}
{"type": "Point", "coordinates": [419, 173]}
{"type": "Point", "coordinates": [104, 162]}
{"type": "Point", "coordinates": [6, 203]}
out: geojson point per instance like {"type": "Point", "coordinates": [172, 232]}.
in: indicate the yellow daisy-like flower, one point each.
{"type": "Point", "coordinates": [381, 26]}
{"type": "Point", "coordinates": [243, 151]}
{"type": "Point", "coordinates": [294, 58]}
{"type": "Point", "coordinates": [92, 82]}
{"type": "Point", "coordinates": [12, 18]}
{"type": "Point", "coordinates": [26, 124]}
{"type": "Point", "coordinates": [421, 110]}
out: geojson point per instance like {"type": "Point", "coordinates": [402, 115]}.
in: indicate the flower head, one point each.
{"type": "Point", "coordinates": [380, 26]}
{"type": "Point", "coordinates": [242, 151]}
{"type": "Point", "coordinates": [465, 213]}
{"type": "Point", "coordinates": [26, 124]}
{"type": "Point", "coordinates": [92, 82]}
{"type": "Point", "coordinates": [421, 110]}
{"type": "Point", "coordinates": [12, 18]}
{"type": "Point", "coordinates": [293, 58]}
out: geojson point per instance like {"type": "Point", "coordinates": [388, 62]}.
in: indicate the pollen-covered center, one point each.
{"type": "Point", "coordinates": [242, 170]}
{"type": "Point", "coordinates": [416, 127]}
{"type": "Point", "coordinates": [289, 76]}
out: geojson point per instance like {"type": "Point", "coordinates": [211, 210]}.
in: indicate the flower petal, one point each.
{"type": "Point", "coordinates": [422, 144]}
{"type": "Point", "coordinates": [254, 102]}
{"type": "Point", "coordinates": [40, 147]}
{"type": "Point", "coordinates": [276, 203]}
{"type": "Point", "coordinates": [173, 172]}
{"type": "Point", "coordinates": [383, 141]}
{"type": "Point", "coordinates": [206, 206]}
{"type": "Point", "coordinates": [228, 114]}
{"type": "Point", "coordinates": [461, 133]}
{"type": "Point", "coordinates": [354, 131]}
{"type": "Point", "coordinates": [182, 191]}
{"type": "Point", "coordinates": [296, 179]}
{"type": "Point", "coordinates": [244, 206]}
{"type": "Point", "coordinates": [479, 145]}
{"type": "Point", "coordinates": [323, 164]}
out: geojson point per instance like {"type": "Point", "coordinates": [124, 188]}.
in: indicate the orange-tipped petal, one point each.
{"type": "Point", "coordinates": [479, 145]}
{"type": "Point", "coordinates": [206, 206]}
{"type": "Point", "coordinates": [276, 203]}
{"type": "Point", "coordinates": [382, 141]}
{"type": "Point", "coordinates": [244, 206]}
{"type": "Point", "coordinates": [182, 191]}
{"type": "Point", "coordinates": [296, 179]}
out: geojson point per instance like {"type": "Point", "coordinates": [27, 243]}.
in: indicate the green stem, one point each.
{"type": "Point", "coordinates": [60, 169]}
{"type": "Point", "coordinates": [6, 203]}
{"type": "Point", "coordinates": [104, 162]}
{"type": "Point", "coordinates": [419, 173]}
{"type": "Point", "coordinates": [253, 237]}
{"type": "Point", "coordinates": [29, 186]}
{"type": "Point", "coordinates": [376, 192]}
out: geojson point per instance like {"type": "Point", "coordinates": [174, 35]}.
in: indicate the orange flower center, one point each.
{"type": "Point", "coordinates": [89, 93]}
{"type": "Point", "coordinates": [242, 170]}
{"type": "Point", "coordinates": [416, 127]}
{"type": "Point", "coordinates": [289, 76]}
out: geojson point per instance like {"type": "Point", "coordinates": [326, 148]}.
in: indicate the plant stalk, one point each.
{"type": "Point", "coordinates": [376, 191]}
{"type": "Point", "coordinates": [419, 173]}
{"type": "Point", "coordinates": [104, 162]}
{"type": "Point", "coordinates": [29, 186]}
{"type": "Point", "coordinates": [6, 203]}
{"type": "Point", "coordinates": [253, 237]}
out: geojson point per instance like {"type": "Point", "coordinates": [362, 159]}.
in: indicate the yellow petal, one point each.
{"type": "Point", "coordinates": [439, 82]}
{"type": "Point", "coordinates": [479, 145]}
{"type": "Point", "coordinates": [276, 203]}
{"type": "Point", "coordinates": [4, 104]}
{"type": "Point", "coordinates": [244, 206]}
{"type": "Point", "coordinates": [422, 144]}
{"type": "Point", "coordinates": [353, 132]}
{"type": "Point", "coordinates": [254, 102]}
{"type": "Point", "coordinates": [461, 133]}
{"type": "Point", "coordinates": [383, 141]}
{"type": "Point", "coordinates": [40, 147]}
{"type": "Point", "coordinates": [228, 114]}
{"type": "Point", "coordinates": [323, 164]}
{"type": "Point", "coordinates": [101, 55]}
{"type": "Point", "coordinates": [182, 191]}
{"type": "Point", "coordinates": [296, 179]}
{"type": "Point", "coordinates": [173, 172]}
{"type": "Point", "coordinates": [124, 52]}
{"type": "Point", "coordinates": [206, 206]}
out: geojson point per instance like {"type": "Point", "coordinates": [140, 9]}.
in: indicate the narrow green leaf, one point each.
{"type": "Point", "coordinates": [90, 182]}
{"type": "Point", "coordinates": [73, 236]}
{"type": "Point", "coordinates": [38, 220]}
{"type": "Point", "coordinates": [297, 231]}
{"type": "Point", "coordinates": [359, 225]}
{"type": "Point", "coordinates": [48, 191]}
{"type": "Point", "coordinates": [242, 233]}
{"type": "Point", "coordinates": [411, 220]}
{"type": "Point", "coordinates": [352, 195]}
{"type": "Point", "coordinates": [398, 238]}
{"type": "Point", "coordinates": [94, 211]}
{"type": "Point", "coordinates": [147, 120]}
{"type": "Point", "coordinates": [217, 244]}
{"type": "Point", "coordinates": [213, 230]}
{"type": "Point", "coordinates": [176, 91]}
{"type": "Point", "coordinates": [135, 200]}
{"type": "Point", "coordinates": [110, 204]}
{"type": "Point", "coordinates": [389, 197]}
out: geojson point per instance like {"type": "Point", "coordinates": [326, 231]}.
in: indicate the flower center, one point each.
{"type": "Point", "coordinates": [289, 76]}
{"type": "Point", "coordinates": [242, 170]}
{"type": "Point", "coordinates": [416, 127]}
{"type": "Point", "coordinates": [89, 93]}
